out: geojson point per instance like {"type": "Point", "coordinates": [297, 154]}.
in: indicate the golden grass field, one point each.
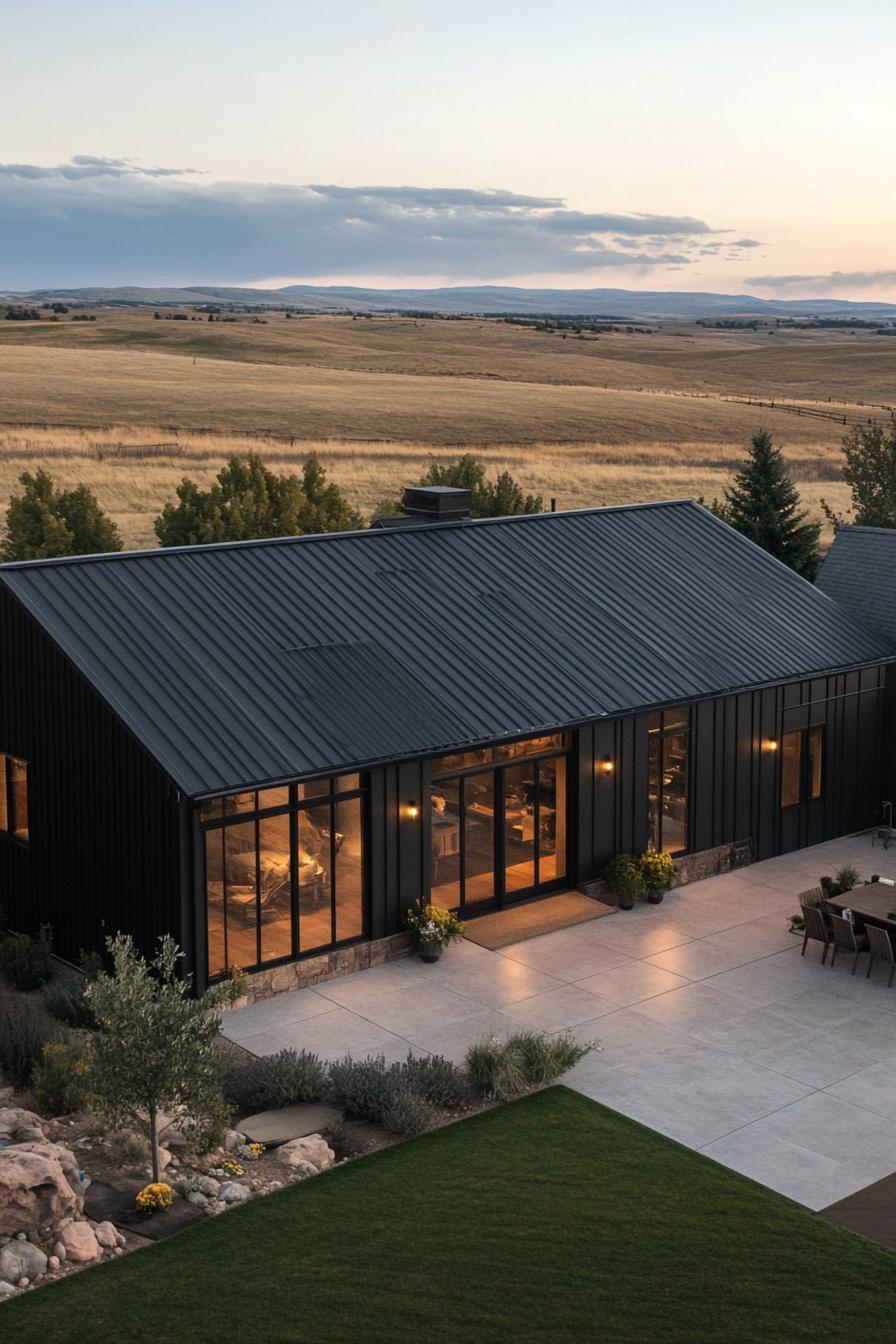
{"type": "Point", "coordinates": [130, 404]}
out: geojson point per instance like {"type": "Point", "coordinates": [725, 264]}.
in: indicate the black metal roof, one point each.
{"type": "Point", "coordinates": [858, 573]}
{"type": "Point", "coordinates": [253, 662]}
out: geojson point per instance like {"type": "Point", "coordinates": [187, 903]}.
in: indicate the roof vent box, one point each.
{"type": "Point", "coordinates": [438, 503]}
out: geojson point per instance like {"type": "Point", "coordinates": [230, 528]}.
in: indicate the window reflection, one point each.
{"type": "Point", "coordinates": [501, 751]}
{"type": "Point", "coordinates": [14, 796]}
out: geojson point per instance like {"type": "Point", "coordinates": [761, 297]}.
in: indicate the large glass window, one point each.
{"type": "Point", "coordinates": [498, 829]}
{"type": "Point", "coordinates": [285, 872]}
{"type": "Point", "coordinates": [14, 796]}
{"type": "Point", "coordinates": [667, 780]}
{"type": "Point", "coordinates": [802, 765]}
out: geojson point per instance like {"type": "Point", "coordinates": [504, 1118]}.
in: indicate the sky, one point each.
{"type": "Point", "coordinates": [577, 143]}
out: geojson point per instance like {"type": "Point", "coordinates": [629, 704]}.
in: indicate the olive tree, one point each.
{"type": "Point", "coordinates": [156, 1045]}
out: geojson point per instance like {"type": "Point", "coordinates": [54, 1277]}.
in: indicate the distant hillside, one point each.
{"type": "Point", "coordinates": [475, 299]}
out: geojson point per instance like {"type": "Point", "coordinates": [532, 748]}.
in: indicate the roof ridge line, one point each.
{"type": "Point", "coordinates": [311, 537]}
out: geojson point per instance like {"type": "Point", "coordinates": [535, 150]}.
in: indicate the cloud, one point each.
{"type": "Point", "coordinates": [98, 220]}
{"type": "Point", "coordinates": [746, 242]}
{"type": "Point", "coordinates": [832, 280]}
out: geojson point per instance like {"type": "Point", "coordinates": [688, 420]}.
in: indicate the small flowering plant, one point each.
{"type": "Point", "coordinates": [251, 1152]}
{"type": "Point", "coordinates": [226, 1169]}
{"type": "Point", "coordinates": [155, 1196]}
{"type": "Point", "coordinates": [433, 924]}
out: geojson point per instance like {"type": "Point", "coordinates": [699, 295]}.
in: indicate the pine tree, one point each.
{"type": "Point", "coordinates": [249, 501]}
{"type": "Point", "coordinates": [764, 505]}
{"type": "Point", "coordinates": [43, 522]}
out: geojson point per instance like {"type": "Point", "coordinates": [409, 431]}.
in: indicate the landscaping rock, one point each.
{"type": "Point", "coordinates": [80, 1243]}
{"type": "Point", "coordinates": [197, 1197]}
{"type": "Point", "coordinates": [40, 1185]}
{"type": "Point", "coordinates": [107, 1235]}
{"type": "Point", "coordinates": [6, 1288]}
{"type": "Point", "coordinates": [6, 1094]}
{"type": "Point", "coordinates": [30, 1134]}
{"type": "Point", "coordinates": [302, 1169]}
{"type": "Point", "coordinates": [232, 1139]}
{"type": "Point", "coordinates": [14, 1118]}
{"type": "Point", "coordinates": [290, 1122]}
{"type": "Point", "coordinates": [53, 1263]}
{"type": "Point", "coordinates": [175, 1138]}
{"type": "Point", "coordinates": [232, 1192]}
{"type": "Point", "coordinates": [209, 1186]}
{"type": "Point", "coordinates": [312, 1149]}
{"type": "Point", "coordinates": [21, 1260]}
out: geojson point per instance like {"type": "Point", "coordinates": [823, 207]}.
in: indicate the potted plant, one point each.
{"type": "Point", "coordinates": [623, 876]}
{"type": "Point", "coordinates": [847, 877]}
{"type": "Point", "coordinates": [658, 872]}
{"type": "Point", "coordinates": [435, 928]}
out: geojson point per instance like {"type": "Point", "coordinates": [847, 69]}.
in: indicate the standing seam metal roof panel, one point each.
{"type": "Point", "coordinates": [255, 662]}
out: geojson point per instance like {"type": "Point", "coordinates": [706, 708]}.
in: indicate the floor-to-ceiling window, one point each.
{"type": "Point", "coordinates": [499, 822]}
{"type": "Point", "coordinates": [284, 872]}
{"type": "Point", "coordinates": [667, 780]}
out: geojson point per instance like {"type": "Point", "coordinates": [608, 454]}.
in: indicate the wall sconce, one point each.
{"type": "Point", "coordinates": [606, 766]}
{"type": "Point", "coordinates": [770, 744]}
{"type": "Point", "coordinates": [412, 811]}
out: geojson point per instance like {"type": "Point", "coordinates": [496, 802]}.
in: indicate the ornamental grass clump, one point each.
{"type": "Point", "coordinates": [24, 1031]}
{"type": "Point", "coordinates": [401, 1097]}
{"type": "Point", "coordinates": [500, 1070]}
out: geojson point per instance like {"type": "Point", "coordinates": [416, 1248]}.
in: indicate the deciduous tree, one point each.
{"type": "Point", "coordinates": [870, 472]}
{"type": "Point", "coordinates": [155, 1047]}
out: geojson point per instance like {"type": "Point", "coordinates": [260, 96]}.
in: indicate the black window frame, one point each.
{"type": "Point", "coordinates": [330, 797]}
{"type": "Point", "coordinates": [805, 794]}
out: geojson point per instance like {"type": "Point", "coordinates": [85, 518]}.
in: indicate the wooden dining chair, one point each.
{"type": "Point", "coordinates": [816, 929]}
{"type": "Point", "coordinates": [814, 896]}
{"type": "Point", "coordinates": [880, 947]}
{"type": "Point", "coordinates": [846, 939]}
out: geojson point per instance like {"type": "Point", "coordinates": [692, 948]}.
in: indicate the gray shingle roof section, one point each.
{"type": "Point", "coordinates": [859, 572]}
{"type": "Point", "coordinates": [260, 661]}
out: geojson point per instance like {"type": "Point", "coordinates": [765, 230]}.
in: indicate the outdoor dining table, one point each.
{"type": "Point", "coordinates": [871, 903]}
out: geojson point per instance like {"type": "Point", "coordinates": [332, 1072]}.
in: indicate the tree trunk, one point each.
{"type": "Point", "coordinates": [154, 1143]}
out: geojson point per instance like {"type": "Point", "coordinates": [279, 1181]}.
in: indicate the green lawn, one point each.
{"type": "Point", "coordinates": [550, 1219]}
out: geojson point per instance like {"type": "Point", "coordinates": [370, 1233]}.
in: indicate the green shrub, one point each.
{"type": "Point", "coordinates": [60, 1079]}
{"type": "Point", "coordinates": [406, 1115]}
{"type": "Point", "coordinates": [623, 876]}
{"type": "Point", "coordinates": [26, 961]}
{"type": "Point", "coordinates": [24, 1031]}
{"type": "Point", "coordinates": [207, 1131]}
{"type": "Point", "coordinates": [284, 1079]}
{"type": "Point", "coordinates": [127, 1148]}
{"type": "Point", "coordinates": [371, 1089]}
{"type": "Point", "coordinates": [436, 1080]}
{"type": "Point", "coordinates": [500, 1070]}
{"type": "Point", "coordinates": [65, 1000]}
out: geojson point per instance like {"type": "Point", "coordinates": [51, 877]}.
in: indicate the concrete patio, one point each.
{"type": "Point", "coordinates": [714, 1030]}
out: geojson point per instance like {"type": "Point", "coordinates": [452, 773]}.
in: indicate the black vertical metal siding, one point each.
{"type": "Point", "coordinates": [103, 853]}
{"type": "Point", "coordinates": [734, 778]}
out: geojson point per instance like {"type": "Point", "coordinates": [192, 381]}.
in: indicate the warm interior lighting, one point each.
{"type": "Point", "coordinates": [771, 744]}
{"type": "Point", "coordinates": [412, 811]}
{"type": "Point", "coordinates": [606, 766]}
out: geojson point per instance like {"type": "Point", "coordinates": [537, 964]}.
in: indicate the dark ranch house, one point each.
{"type": "Point", "coordinates": [272, 749]}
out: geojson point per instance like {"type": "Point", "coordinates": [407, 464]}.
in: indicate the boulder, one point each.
{"type": "Point", "coordinates": [312, 1148]}
{"type": "Point", "coordinates": [232, 1192]}
{"type": "Point", "coordinates": [197, 1197]}
{"type": "Point", "coordinates": [30, 1134]}
{"type": "Point", "coordinates": [6, 1288]}
{"type": "Point", "coordinates": [80, 1243]}
{"type": "Point", "coordinates": [40, 1185]}
{"type": "Point", "coordinates": [14, 1118]}
{"type": "Point", "coordinates": [303, 1168]}
{"type": "Point", "coordinates": [232, 1139]}
{"type": "Point", "coordinates": [290, 1122]}
{"type": "Point", "coordinates": [107, 1235]}
{"type": "Point", "coordinates": [21, 1260]}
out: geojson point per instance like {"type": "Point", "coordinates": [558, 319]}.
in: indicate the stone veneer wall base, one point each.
{"type": "Point", "coordinates": [691, 868]}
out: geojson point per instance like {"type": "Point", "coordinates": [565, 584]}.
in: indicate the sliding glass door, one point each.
{"type": "Point", "coordinates": [499, 823]}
